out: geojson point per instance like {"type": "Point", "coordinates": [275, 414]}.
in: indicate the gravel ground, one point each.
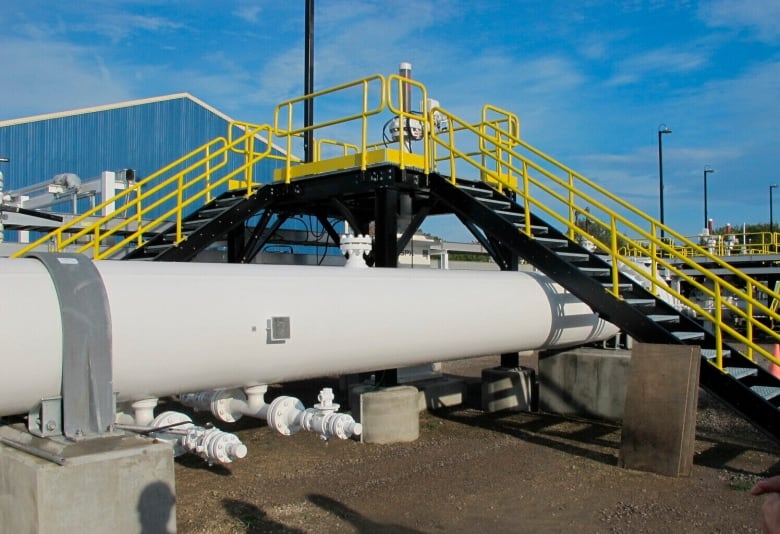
{"type": "Point", "coordinates": [471, 472]}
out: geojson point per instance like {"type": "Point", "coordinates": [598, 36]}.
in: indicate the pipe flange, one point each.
{"type": "Point", "coordinates": [284, 415]}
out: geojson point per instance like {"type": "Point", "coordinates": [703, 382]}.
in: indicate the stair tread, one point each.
{"type": "Point", "coordinates": [574, 256]}
{"type": "Point", "coordinates": [741, 372]}
{"type": "Point", "coordinates": [495, 203]}
{"type": "Point", "coordinates": [476, 191]}
{"type": "Point", "coordinates": [640, 302]}
{"type": "Point", "coordinates": [767, 392]}
{"type": "Point", "coordinates": [595, 271]}
{"type": "Point", "coordinates": [664, 318]}
{"type": "Point", "coordinates": [552, 241]}
{"type": "Point", "coordinates": [711, 354]}
{"type": "Point", "coordinates": [688, 335]}
{"type": "Point", "coordinates": [516, 215]}
{"type": "Point", "coordinates": [210, 212]}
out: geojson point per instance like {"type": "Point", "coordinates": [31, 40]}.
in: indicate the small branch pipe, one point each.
{"type": "Point", "coordinates": [211, 444]}
{"type": "Point", "coordinates": [286, 415]}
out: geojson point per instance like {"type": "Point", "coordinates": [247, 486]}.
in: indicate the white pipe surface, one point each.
{"type": "Point", "coordinates": [180, 327]}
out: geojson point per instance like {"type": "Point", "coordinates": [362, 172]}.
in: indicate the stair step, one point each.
{"type": "Point", "coordinates": [210, 212]}
{"type": "Point", "coordinates": [170, 237]}
{"type": "Point", "coordinates": [194, 223]}
{"type": "Point", "coordinates": [660, 318]}
{"type": "Point", "coordinates": [711, 354]}
{"type": "Point", "coordinates": [574, 256]}
{"type": "Point", "coordinates": [685, 336]}
{"type": "Point", "coordinates": [767, 392]}
{"type": "Point", "coordinates": [595, 271]}
{"type": "Point", "coordinates": [741, 372]}
{"type": "Point", "coordinates": [510, 215]}
{"type": "Point", "coordinates": [495, 203]}
{"type": "Point", "coordinates": [640, 302]}
{"type": "Point", "coordinates": [476, 191]}
{"type": "Point", "coordinates": [622, 286]}
{"type": "Point", "coordinates": [552, 242]}
{"type": "Point", "coordinates": [536, 229]}
{"type": "Point", "coordinates": [227, 201]}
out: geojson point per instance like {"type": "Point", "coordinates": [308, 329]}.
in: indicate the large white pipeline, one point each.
{"type": "Point", "coordinates": [184, 327]}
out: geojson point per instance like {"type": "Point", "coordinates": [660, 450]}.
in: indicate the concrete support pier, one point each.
{"type": "Point", "coordinates": [584, 382]}
{"type": "Point", "coordinates": [505, 388]}
{"type": "Point", "coordinates": [390, 415]}
{"type": "Point", "coordinates": [118, 484]}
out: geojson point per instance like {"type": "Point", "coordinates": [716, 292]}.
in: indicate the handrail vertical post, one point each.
{"type": "Point", "coordinates": [208, 174]}
{"type": "Point", "coordinates": [526, 200]}
{"type": "Point", "coordinates": [138, 215]}
{"type": "Point", "coordinates": [571, 215]}
{"type": "Point", "coordinates": [749, 320]}
{"type": "Point", "coordinates": [180, 201]}
{"type": "Point", "coordinates": [653, 260]}
{"type": "Point", "coordinates": [614, 253]}
{"type": "Point", "coordinates": [718, 326]}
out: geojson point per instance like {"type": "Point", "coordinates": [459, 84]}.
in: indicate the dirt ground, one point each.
{"type": "Point", "coordinates": [472, 472]}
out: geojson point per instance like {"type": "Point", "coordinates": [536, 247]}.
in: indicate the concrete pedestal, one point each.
{"type": "Point", "coordinates": [506, 388]}
{"type": "Point", "coordinates": [584, 382]}
{"type": "Point", "coordinates": [117, 484]}
{"type": "Point", "coordinates": [390, 415]}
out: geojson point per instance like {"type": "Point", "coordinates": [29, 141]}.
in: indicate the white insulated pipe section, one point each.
{"type": "Point", "coordinates": [180, 327]}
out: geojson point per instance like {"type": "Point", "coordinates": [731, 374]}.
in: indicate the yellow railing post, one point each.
{"type": "Point", "coordinates": [749, 321]}
{"type": "Point", "coordinates": [572, 211]}
{"type": "Point", "coordinates": [526, 200]}
{"type": "Point", "coordinates": [179, 203]}
{"type": "Point", "coordinates": [208, 175]}
{"type": "Point", "coordinates": [718, 326]}
{"type": "Point", "coordinates": [614, 254]}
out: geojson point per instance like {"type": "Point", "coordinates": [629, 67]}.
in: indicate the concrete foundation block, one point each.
{"type": "Point", "coordinates": [506, 388]}
{"type": "Point", "coordinates": [584, 382]}
{"type": "Point", "coordinates": [117, 484]}
{"type": "Point", "coordinates": [390, 415]}
{"type": "Point", "coordinates": [444, 392]}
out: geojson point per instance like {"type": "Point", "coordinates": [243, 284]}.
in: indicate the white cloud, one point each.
{"type": "Point", "coordinates": [654, 62]}
{"type": "Point", "coordinates": [761, 17]}
{"type": "Point", "coordinates": [49, 76]}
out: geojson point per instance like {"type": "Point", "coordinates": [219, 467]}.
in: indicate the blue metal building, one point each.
{"type": "Point", "coordinates": [144, 135]}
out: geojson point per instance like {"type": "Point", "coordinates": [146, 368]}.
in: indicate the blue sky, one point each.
{"type": "Point", "coordinates": [590, 80]}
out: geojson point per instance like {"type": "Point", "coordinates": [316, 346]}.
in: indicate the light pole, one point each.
{"type": "Point", "coordinates": [707, 170]}
{"type": "Point", "coordinates": [662, 129]}
{"type": "Point", "coordinates": [771, 218]}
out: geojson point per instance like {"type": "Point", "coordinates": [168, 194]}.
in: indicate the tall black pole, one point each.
{"type": "Point", "coordinates": [771, 212]}
{"type": "Point", "coordinates": [308, 82]}
{"type": "Point", "coordinates": [661, 130]}
{"type": "Point", "coordinates": [707, 170]}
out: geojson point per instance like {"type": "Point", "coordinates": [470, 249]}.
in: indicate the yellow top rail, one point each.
{"type": "Point", "coordinates": [545, 186]}
{"type": "Point", "coordinates": [174, 190]}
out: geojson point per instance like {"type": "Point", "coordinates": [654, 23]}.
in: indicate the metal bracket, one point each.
{"type": "Point", "coordinates": [45, 419]}
{"type": "Point", "coordinates": [87, 402]}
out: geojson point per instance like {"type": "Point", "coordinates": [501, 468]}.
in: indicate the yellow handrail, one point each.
{"type": "Point", "coordinates": [285, 120]}
{"type": "Point", "coordinates": [173, 183]}
{"type": "Point", "coordinates": [402, 89]}
{"type": "Point", "coordinates": [569, 191]}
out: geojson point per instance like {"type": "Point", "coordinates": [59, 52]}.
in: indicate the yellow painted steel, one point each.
{"type": "Point", "coordinates": [351, 161]}
{"type": "Point", "coordinates": [286, 119]}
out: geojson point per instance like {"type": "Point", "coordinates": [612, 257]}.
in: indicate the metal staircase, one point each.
{"type": "Point", "coordinates": [517, 201]}
{"type": "Point", "coordinates": [742, 383]}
